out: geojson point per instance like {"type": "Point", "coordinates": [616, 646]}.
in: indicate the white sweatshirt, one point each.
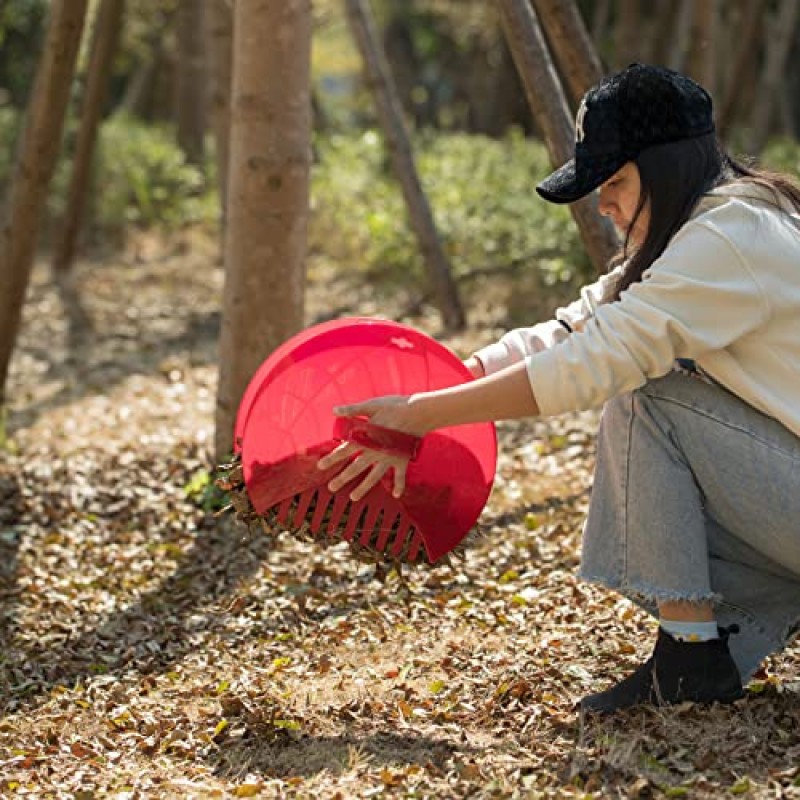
{"type": "Point", "coordinates": [725, 292]}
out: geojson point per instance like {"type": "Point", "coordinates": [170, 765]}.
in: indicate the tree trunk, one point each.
{"type": "Point", "coordinates": [190, 81]}
{"type": "Point", "coordinates": [572, 46]}
{"type": "Point", "coordinates": [553, 119]}
{"type": "Point", "coordinates": [660, 31]}
{"type": "Point", "coordinates": [747, 38]}
{"type": "Point", "coordinates": [268, 194]}
{"type": "Point", "coordinates": [780, 32]}
{"type": "Point", "coordinates": [600, 20]}
{"type": "Point", "coordinates": [786, 126]}
{"type": "Point", "coordinates": [793, 85]}
{"type": "Point", "coordinates": [700, 60]}
{"type": "Point", "coordinates": [104, 43]}
{"type": "Point", "coordinates": [219, 37]}
{"type": "Point", "coordinates": [36, 160]}
{"type": "Point", "coordinates": [680, 37]}
{"type": "Point", "coordinates": [507, 104]}
{"type": "Point", "coordinates": [628, 33]}
{"type": "Point", "coordinates": [401, 55]}
{"type": "Point", "coordinates": [139, 91]}
{"type": "Point", "coordinates": [398, 141]}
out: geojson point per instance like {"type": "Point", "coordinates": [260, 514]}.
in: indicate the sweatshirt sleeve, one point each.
{"type": "Point", "coordinates": [699, 296]}
{"type": "Point", "coordinates": [519, 343]}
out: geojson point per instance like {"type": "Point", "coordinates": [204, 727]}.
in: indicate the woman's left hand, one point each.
{"type": "Point", "coordinates": [393, 411]}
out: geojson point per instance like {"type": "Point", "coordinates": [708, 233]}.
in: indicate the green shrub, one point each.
{"type": "Point", "coordinates": [482, 194]}
{"type": "Point", "coordinates": [142, 178]}
{"type": "Point", "coordinates": [21, 34]}
{"type": "Point", "coordinates": [783, 155]}
{"type": "Point", "coordinates": [10, 121]}
{"type": "Point", "coordinates": [483, 198]}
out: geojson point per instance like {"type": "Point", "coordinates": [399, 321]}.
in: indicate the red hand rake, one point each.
{"type": "Point", "coordinates": [285, 424]}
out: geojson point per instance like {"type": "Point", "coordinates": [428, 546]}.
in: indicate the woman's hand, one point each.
{"type": "Point", "coordinates": [413, 414]}
{"type": "Point", "coordinates": [394, 411]}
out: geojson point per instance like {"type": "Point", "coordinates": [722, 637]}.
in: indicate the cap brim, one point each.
{"type": "Point", "coordinates": [576, 179]}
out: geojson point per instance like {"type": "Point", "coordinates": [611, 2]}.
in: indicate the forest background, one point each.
{"type": "Point", "coordinates": [150, 648]}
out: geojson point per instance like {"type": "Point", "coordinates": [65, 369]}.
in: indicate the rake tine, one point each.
{"type": "Point", "coordinates": [356, 511]}
{"type": "Point", "coordinates": [414, 548]}
{"type": "Point", "coordinates": [340, 504]}
{"type": "Point", "coordinates": [303, 502]}
{"type": "Point", "coordinates": [400, 538]}
{"type": "Point", "coordinates": [323, 500]}
{"type": "Point", "coordinates": [370, 520]}
{"type": "Point", "coordinates": [283, 510]}
{"type": "Point", "coordinates": [386, 530]}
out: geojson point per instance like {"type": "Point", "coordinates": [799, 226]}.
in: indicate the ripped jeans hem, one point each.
{"type": "Point", "coordinates": [648, 596]}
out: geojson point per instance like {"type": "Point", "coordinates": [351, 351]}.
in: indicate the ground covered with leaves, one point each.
{"type": "Point", "coordinates": [152, 649]}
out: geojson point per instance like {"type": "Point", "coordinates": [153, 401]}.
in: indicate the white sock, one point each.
{"type": "Point", "coordinates": [691, 631]}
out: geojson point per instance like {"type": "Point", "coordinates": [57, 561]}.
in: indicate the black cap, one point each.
{"type": "Point", "coordinates": [623, 115]}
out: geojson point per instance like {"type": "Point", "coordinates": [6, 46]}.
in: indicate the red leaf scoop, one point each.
{"type": "Point", "coordinates": [285, 424]}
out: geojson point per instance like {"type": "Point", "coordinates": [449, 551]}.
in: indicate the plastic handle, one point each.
{"type": "Point", "coordinates": [361, 431]}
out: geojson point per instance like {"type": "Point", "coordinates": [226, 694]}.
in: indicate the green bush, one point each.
{"type": "Point", "coordinates": [483, 198]}
{"type": "Point", "coordinates": [140, 176]}
{"type": "Point", "coordinates": [21, 34]}
{"type": "Point", "coordinates": [143, 178]}
{"type": "Point", "coordinates": [10, 120]}
{"type": "Point", "coordinates": [783, 155]}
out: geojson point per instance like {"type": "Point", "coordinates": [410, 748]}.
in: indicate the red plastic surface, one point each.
{"type": "Point", "coordinates": [285, 422]}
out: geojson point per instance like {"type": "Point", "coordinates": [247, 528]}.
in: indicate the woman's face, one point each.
{"type": "Point", "coordinates": [619, 196]}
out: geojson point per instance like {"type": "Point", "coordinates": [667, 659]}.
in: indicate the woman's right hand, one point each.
{"type": "Point", "coordinates": [394, 412]}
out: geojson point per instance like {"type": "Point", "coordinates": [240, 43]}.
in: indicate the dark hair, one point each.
{"type": "Point", "coordinates": [674, 176]}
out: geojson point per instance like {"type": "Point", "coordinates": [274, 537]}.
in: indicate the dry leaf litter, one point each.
{"type": "Point", "coordinates": [153, 648]}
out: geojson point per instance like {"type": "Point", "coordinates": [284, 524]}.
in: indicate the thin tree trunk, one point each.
{"type": "Point", "coordinates": [659, 31]}
{"type": "Point", "coordinates": [219, 37]}
{"type": "Point", "coordinates": [268, 194]}
{"type": "Point", "coordinates": [700, 60]}
{"type": "Point", "coordinates": [727, 21]}
{"type": "Point", "coordinates": [104, 43]}
{"type": "Point", "coordinates": [572, 46]}
{"type": "Point", "coordinates": [553, 119]}
{"type": "Point", "coordinates": [600, 19]}
{"type": "Point", "coordinates": [190, 81]}
{"type": "Point", "coordinates": [747, 35]}
{"type": "Point", "coordinates": [401, 55]}
{"type": "Point", "coordinates": [138, 97]}
{"type": "Point", "coordinates": [507, 104]}
{"type": "Point", "coordinates": [319, 113]}
{"type": "Point", "coordinates": [792, 87]}
{"type": "Point", "coordinates": [681, 33]}
{"type": "Point", "coordinates": [786, 112]}
{"type": "Point", "coordinates": [399, 143]}
{"type": "Point", "coordinates": [628, 32]}
{"type": "Point", "coordinates": [780, 32]}
{"type": "Point", "coordinates": [36, 160]}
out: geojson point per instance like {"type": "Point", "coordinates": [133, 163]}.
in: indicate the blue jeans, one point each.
{"type": "Point", "coordinates": [697, 497]}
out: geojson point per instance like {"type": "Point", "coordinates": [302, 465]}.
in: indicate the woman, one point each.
{"type": "Point", "coordinates": [693, 344]}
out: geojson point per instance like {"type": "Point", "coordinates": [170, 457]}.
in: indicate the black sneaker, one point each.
{"type": "Point", "coordinates": [701, 672]}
